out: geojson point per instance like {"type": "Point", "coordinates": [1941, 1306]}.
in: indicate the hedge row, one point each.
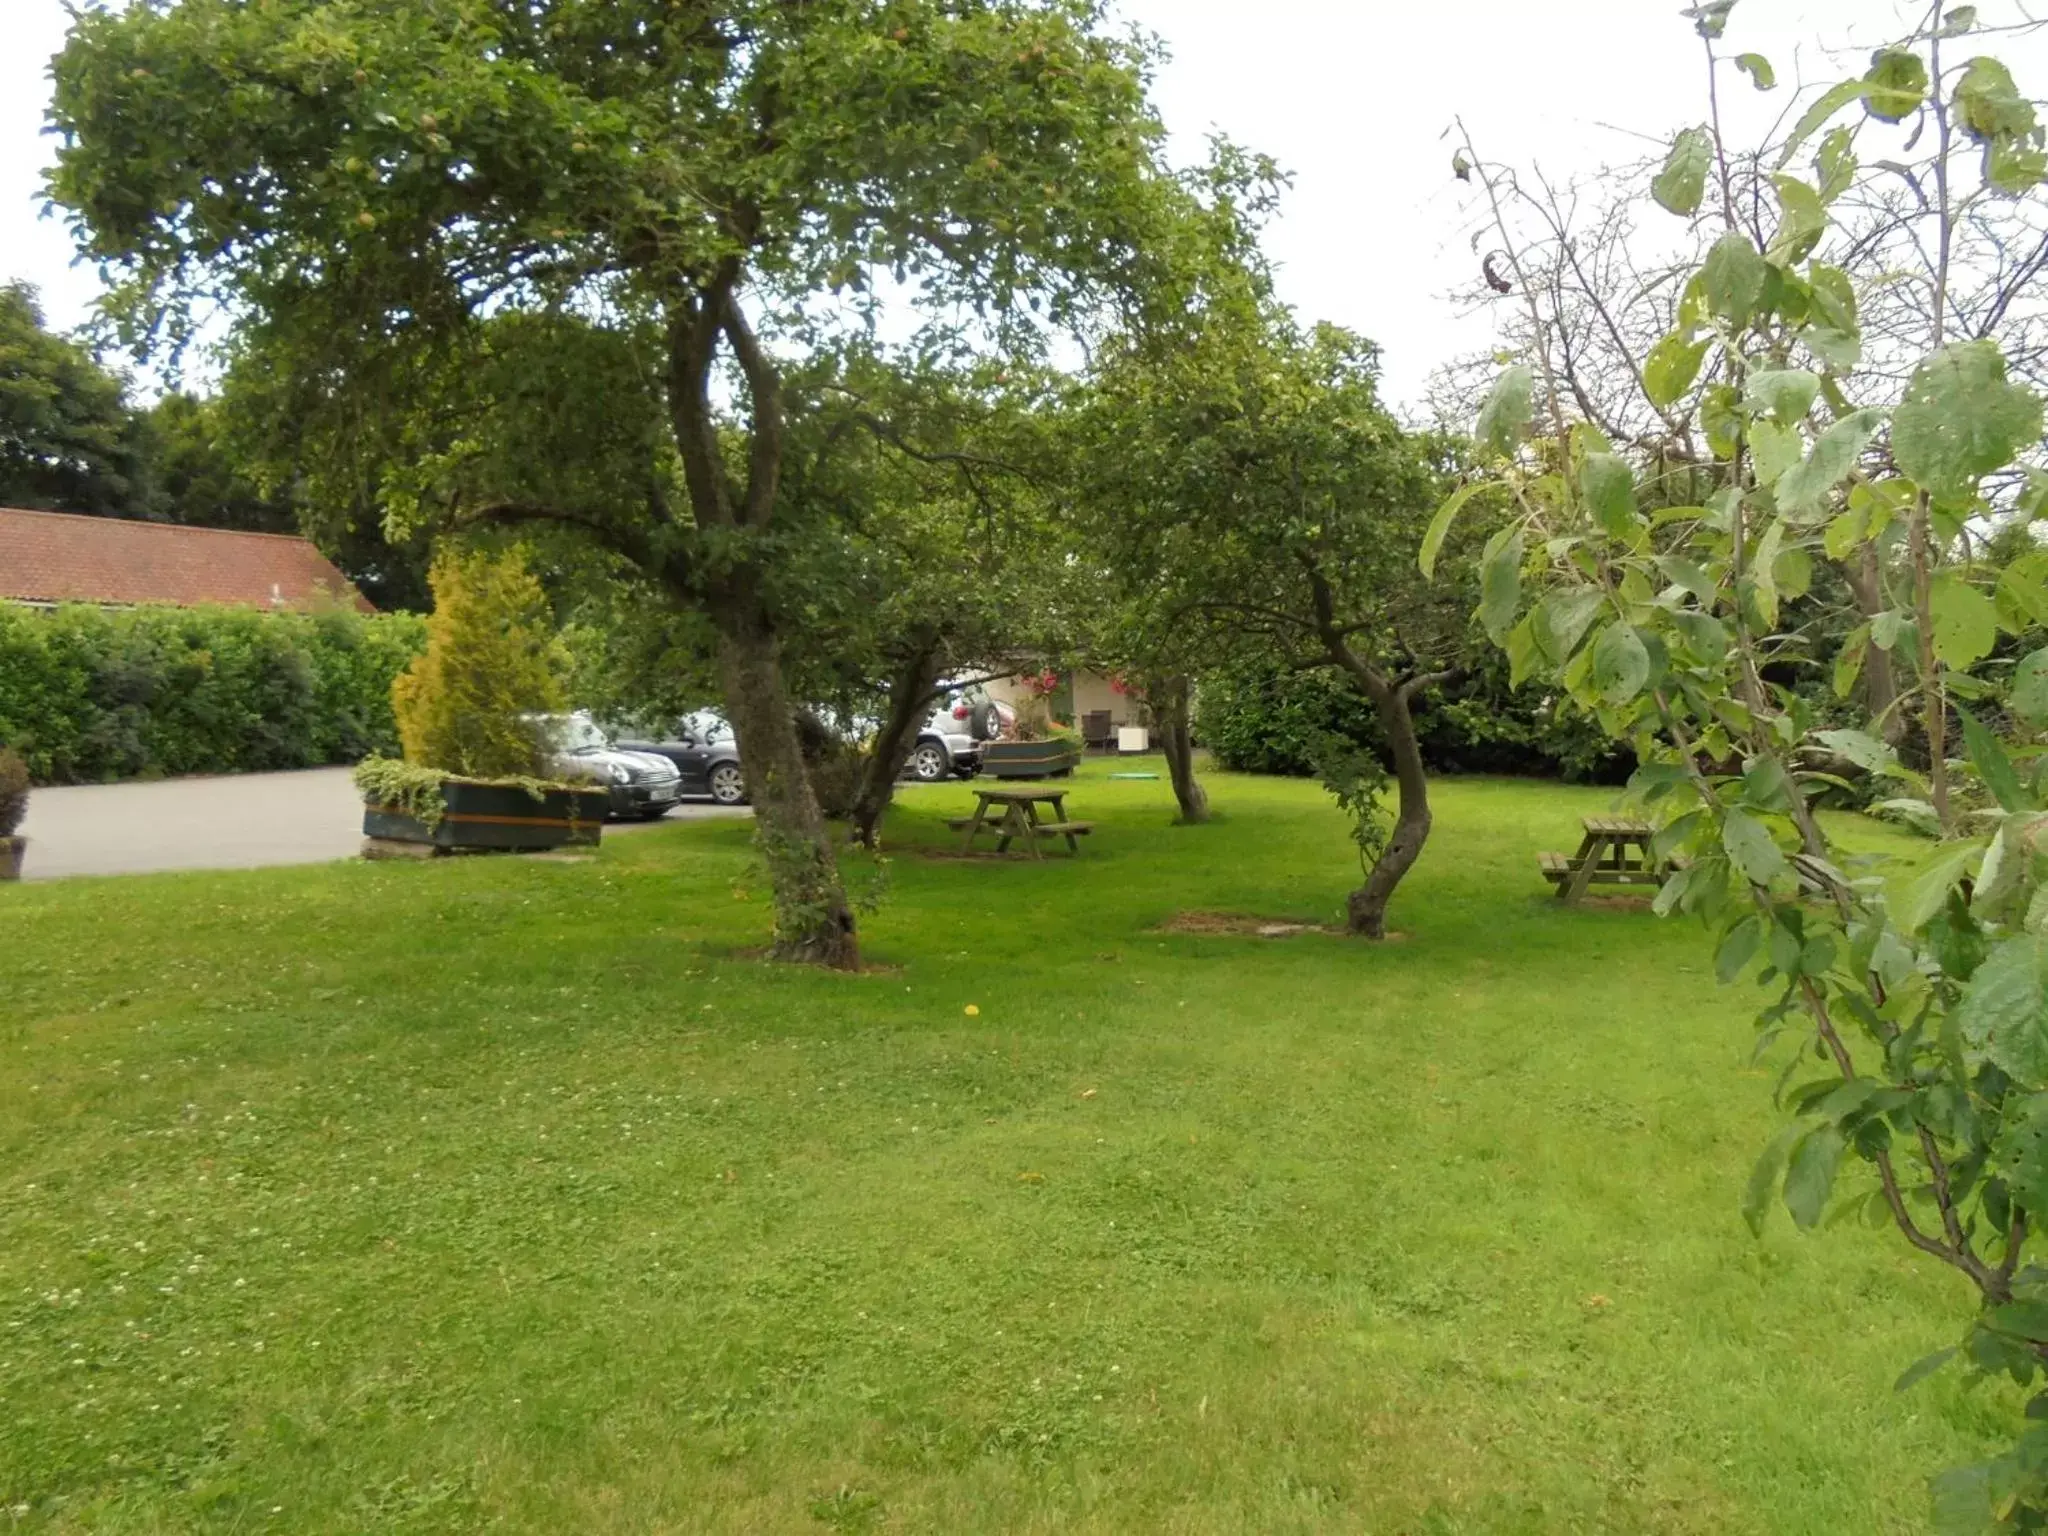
{"type": "Point", "coordinates": [92, 694]}
{"type": "Point", "coordinates": [1260, 718]}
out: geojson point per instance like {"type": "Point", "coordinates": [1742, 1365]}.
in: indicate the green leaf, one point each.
{"type": "Point", "coordinates": [1505, 416]}
{"type": "Point", "coordinates": [1751, 848]}
{"type": "Point", "coordinates": [1958, 21]}
{"type": "Point", "coordinates": [1849, 660]}
{"type": "Point", "coordinates": [1524, 658]}
{"type": "Point", "coordinates": [1896, 84]}
{"type": "Point", "coordinates": [1683, 181]}
{"type": "Point", "coordinates": [1989, 105]}
{"type": "Point", "coordinates": [1923, 1368]}
{"type": "Point", "coordinates": [1721, 421]}
{"type": "Point", "coordinates": [1837, 350]}
{"type": "Point", "coordinates": [1774, 450]}
{"type": "Point", "coordinates": [1500, 583]}
{"type": "Point", "coordinates": [1815, 117]}
{"type": "Point", "coordinates": [1965, 620]}
{"type": "Point", "coordinates": [2003, 1016]}
{"type": "Point", "coordinates": [1991, 763]}
{"type": "Point", "coordinates": [1787, 393]}
{"type": "Point", "coordinates": [1703, 635]}
{"type": "Point", "coordinates": [1758, 68]}
{"type": "Point", "coordinates": [1734, 278]}
{"type": "Point", "coordinates": [2015, 167]}
{"type": "Point", "coordinates": [1710, 17]}
{"type": "Point", "coordinates": [1802, 220]}
{"type": "Point", "coordinates": [1440, 525]}
{"type": "Point", "coordinates": [1681, 572]}
{"type": "Point", "coordinates": [1964, 1504]}
{"type": "Point", "coordinates": [1836, 163]}
{"type": "Point", "coordinates": [1738, 947]}
{"type": "Point", "coordinates": [1563, 619]}
{"type": "Point", "coordinates": [1766, 786]}
{"type": "Point", "coordinates": [2021, 1152]}
{"type": "Point", "coordinates": [1810, 1174]}
{"type": "Point", "coordinates": [1834, 455]}
{"type": "Point", "coordinates": [1960, 419]}
{"type": "Point", "coordinates": [2022, 596]}
{"type": "Point", "coordinates": [1609, 487]}
{"type": "Point", "coordinates": [1928, 893]}
{"type": "Point", "coordinates": [2029, 698]}
{"type": "Point", "coordinates": [1763, 577]}
{"type": "Point", "coordinates": [1792, 572]}
{"type": "Point", "coordinates": [1621, 663]}
{"type": "Point", "coordinates": [1671, 367]}
{"type": "Point", "coordinates": [1763, 1178]}
{"type": "Point", "coordinates": [1862, 749]}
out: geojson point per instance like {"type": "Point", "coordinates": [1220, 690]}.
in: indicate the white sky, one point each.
{"type": "Point", "coordinates": [1350, 95]}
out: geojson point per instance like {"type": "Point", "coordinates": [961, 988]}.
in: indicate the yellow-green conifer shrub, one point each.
{"type": "Point", "coordinates": [491, 659]}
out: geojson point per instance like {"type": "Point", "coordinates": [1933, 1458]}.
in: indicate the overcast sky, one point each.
{"type": "Point", "coordinates": [1352, 96]}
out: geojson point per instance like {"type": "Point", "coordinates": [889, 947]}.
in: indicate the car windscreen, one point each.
{"type": "Point", "coordinates": [572, 733]}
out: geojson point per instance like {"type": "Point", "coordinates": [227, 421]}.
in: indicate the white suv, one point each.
{"type": "Point", "coordinates": [950, 742]}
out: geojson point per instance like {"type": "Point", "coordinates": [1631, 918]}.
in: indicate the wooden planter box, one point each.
{"type": "Point", "coordinates": [495, 817]}
{"type": "Point", "coordinates": [1029, 759]}
{"type": "Point", "coordinates": [11, 851]}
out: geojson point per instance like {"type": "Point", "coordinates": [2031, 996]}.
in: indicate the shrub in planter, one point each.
{"type": "Point", "coordinates": [491, 660]}
{"type": "Point", "coordinates": [13, 808]}
{"type": "Point", "coordinates": [476, 773]}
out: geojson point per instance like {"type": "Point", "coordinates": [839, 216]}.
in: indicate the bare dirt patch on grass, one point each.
{"type": "Point", "coordinates": [1240, 925]}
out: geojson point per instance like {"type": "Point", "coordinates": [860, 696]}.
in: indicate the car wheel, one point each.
{"type": "Point", "coordinates": [988, 722]}
{"type": "Point", "coordinates": [727, 786]}
{"type": "Point", "coordinates": [928, 764]}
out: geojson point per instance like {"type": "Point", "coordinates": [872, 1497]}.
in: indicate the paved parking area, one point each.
{"type": "Point", "coordinates": [246, 821]}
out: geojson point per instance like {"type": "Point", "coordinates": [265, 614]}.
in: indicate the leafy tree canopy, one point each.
{"type": "Point", "coordinates": [68, 441]}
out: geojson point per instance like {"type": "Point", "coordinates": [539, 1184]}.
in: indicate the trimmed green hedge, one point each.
{"type": "Point", "coordinates": [1258, 717]}
{"type": "Point", "coordinates": [92, 694]}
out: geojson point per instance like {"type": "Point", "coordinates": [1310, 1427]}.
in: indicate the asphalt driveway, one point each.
{"type": "Point", "coordinates": [247, 821]}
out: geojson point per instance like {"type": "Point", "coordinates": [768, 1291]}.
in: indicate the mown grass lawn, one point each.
{"type": "Point", "coordinates": [511, 1193]}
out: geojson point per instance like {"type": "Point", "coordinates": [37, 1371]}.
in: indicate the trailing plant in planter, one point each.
{"type": "Point", "coordinates": [13, 810]}
{"type": "Point", "coordinates": [1036, 748]}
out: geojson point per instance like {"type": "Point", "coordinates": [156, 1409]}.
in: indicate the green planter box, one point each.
{"type": "Point", "coordinates": [1029, 759]}
{"type": "Point", "coordinates": [497, 817]}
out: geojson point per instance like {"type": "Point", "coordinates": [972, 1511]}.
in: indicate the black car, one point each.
{"type": "Point", "coordinates": [706, 754]}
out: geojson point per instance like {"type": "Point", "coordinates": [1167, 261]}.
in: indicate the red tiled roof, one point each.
{"type": "Point", "coordinates": [55, 557]}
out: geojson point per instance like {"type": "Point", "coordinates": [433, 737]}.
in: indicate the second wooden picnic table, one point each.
{"type": "Point", "coordinates": [1616, 850]}
{"type": "Point", "coordinates": [1019, 820]}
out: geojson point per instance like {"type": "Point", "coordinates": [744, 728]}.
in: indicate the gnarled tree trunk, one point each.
{"type": "Point", "coordinates": [1366, 909]}
{"type": "Point", "coordinates": [813, 920]}
{"type": "Point", "coordinates": [911, 690]}
{"type": "Point", "coordinates": [1169, 697]}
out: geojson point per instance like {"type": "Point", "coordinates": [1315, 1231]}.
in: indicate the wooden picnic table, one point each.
{"type": "Point", "coordinates": [1616, 850]}
{"type": "Point", "coordinates": [1020, 821]}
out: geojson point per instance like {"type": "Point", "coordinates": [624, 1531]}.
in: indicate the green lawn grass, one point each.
{"type": "Point", "coordinates": [512, 1193]}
